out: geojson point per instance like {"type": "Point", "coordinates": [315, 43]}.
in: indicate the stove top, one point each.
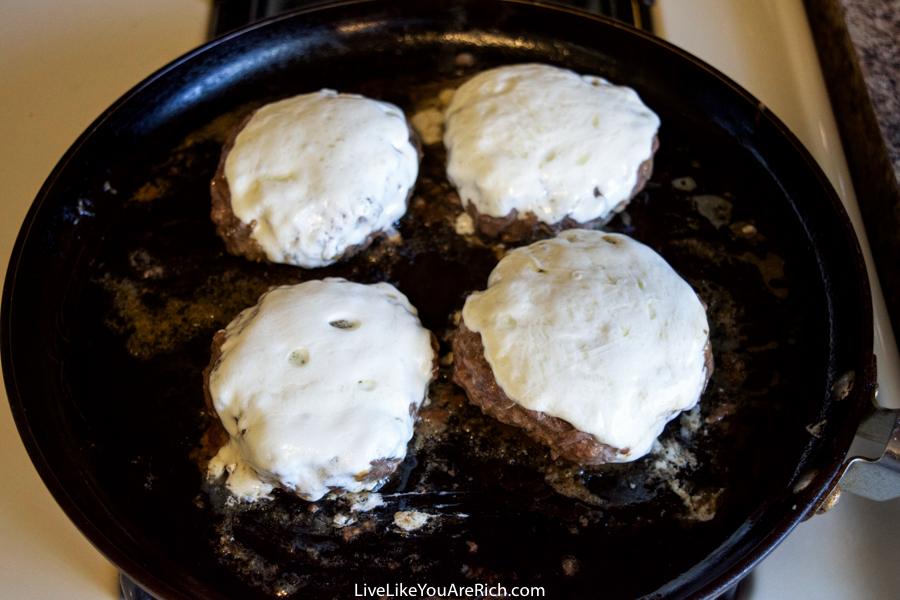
{"type": "Point", "coordinates": [228, 15]}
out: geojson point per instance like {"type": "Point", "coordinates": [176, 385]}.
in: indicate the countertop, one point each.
{"type": "Point", "coordinates": [874, 28]}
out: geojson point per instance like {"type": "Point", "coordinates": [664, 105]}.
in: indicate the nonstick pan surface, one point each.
{"type": "Point", "coordinates": [118, 283]}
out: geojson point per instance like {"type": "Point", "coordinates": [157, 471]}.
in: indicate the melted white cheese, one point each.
{"type": "Point", "coordinates": [315, 382]}
{"type": "Point", "coordinates": [546, 140]}
{"type": "Point", "coordinates": [596, 329]}
{"type": "Point", "coordinates": [319, 173]}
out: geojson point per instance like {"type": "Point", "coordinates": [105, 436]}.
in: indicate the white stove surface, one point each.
{"type": "Point", "coordinates": [62, 62]}
{"type": "Point", "coordinates": [766, 46]}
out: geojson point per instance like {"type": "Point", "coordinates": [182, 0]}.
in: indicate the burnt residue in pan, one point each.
{"type": "Point", "coordinates": [478, 501]}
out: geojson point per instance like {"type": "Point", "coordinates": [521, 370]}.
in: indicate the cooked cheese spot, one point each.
{"type": "Point", "coordinates": [410, 520]}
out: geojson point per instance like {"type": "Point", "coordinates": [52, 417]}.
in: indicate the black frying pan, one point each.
{"type": "Point", "coordinates": [117, 284]}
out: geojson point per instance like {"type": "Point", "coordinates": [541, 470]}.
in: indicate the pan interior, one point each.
{"type": "Point", "coordinates": [150, 284]}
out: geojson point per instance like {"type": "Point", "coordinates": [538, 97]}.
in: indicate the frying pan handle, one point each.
{"type": "Point", "coordinates": [131, 590]}
{"type": "Point", "coordinates": [877, 479]}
